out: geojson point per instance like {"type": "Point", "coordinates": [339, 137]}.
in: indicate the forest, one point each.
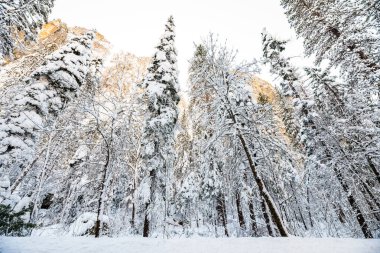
{"type": "Point", "coordinates": [108, 145]}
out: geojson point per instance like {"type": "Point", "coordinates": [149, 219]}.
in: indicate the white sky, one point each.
{"type": "Point", "coordinates": [136, 26]}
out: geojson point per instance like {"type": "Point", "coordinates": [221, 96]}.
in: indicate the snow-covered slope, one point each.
{"type": "Point", "coordinates": [142, 245]}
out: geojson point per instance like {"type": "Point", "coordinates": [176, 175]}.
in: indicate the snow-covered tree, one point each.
{"type": "Point", "coordinates": [45, 95]}
{"type": "Point", "coordinates": [345, 33]}
{"type": "Point", "coordinates": [319, 134]}
{"type": "Point", "coordinates": [21, 16]}
{"type": "Point", "coordinates": [92, 177]}
{"type": "Point", "coordinates": [229, 138]}
{"type": "Point", "coordinates": [161, 94]}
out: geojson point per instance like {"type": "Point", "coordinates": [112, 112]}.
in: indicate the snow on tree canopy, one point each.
{"type": "Point", "coordinates": [47, 91]}
{"type": "Point", "coordinates": [345, 32]}
{"type": "Point", "coordinates": [319, 132]}
{"type": "Point", "coordinates": [67, 68]}
{"type": "Point", "coordinates": [161, 95]}
{"type": "Point", "coordinates": [161, 85]}
{"type": "Point", "coordinates": [21, 15]}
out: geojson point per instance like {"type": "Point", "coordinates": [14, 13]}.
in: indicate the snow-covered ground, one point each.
{"type": "Point", "coordinates": [196, 245]}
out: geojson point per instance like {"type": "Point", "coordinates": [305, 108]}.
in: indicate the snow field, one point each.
{"type": "Point", "coordinates": [198, 245]}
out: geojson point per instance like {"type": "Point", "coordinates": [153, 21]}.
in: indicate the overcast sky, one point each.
{"type": "Point", "coordinates": [136, 26]}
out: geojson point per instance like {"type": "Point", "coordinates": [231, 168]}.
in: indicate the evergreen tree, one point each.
{"type": "Point", "coordinates": [46, 93]}
{"type": "Point", "coordinates": [327, 92]}
{"type": "Point", "coordinates": [320, 144]}
{"type": "Point", "coordinates": [161, 94]}
{"type": "Point", "coordinates": [25, 16]}
{"type": "Point", "coordinates": [345, 33]}
{"type": "Point", "coordinates": [12, 223]}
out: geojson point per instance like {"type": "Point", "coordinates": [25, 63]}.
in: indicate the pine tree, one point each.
{"type": "Point", "coordinates": [161, 94]}
{"type": "Point", "coordinates": [327, 92]}
{"type": "Point", "coordinates": [12, 223]}
{"type": "Point", "coordinates": [45, 95]}
{"type": "Point", "coordinates": [320, 145]}
{"type": "Point", "coordinates": [26, 16]}
{"type": "Point", "coordinates": [345, 33]}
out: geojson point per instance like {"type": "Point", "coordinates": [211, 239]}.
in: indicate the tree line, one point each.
{"type": "Point", "coordinates": [118, 150]}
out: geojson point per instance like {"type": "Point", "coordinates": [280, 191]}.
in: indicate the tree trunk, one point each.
{"type": "Point", "coordinates": [133, 214]}
{"type": "Point", "coordinates": [240, 211]}
{"type": "Point", "coordinates": [351, 200]}
{"type": "Point", "coordinates": [341, 215]}
{"type": "Point", "coordinates": [222, 216]}
{"type": "Point", "coordinates": [298, 207]}
{"type": "Point", "coordinates": [373, 198]}
{"type": "Point", "coordinates": [266, 217]}
{"type": "Point", "coordinates": [146, 229]}
{"type": "Point", "coordinates": [252, 217]}
{"type": "Point", "coordinates": [260, 183]}
{"type": "Point", "coordinates": [103, 183]}
{"type": "Point", "coordinates": [308, 203]}
{"type": "Point", "coordinates": [371, 202]}
{"type": "Point", "coordinates": [262, 190]}
{"type": "Point", "coordinates": [100, 201]}
{"type": "Point", "coordinates": [146, 222]}
{"type": "Point", "coordinates": [373, 168]}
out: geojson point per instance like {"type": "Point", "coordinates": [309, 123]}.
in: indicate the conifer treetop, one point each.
{"type": "Point", "coordinates": [162, 77]}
